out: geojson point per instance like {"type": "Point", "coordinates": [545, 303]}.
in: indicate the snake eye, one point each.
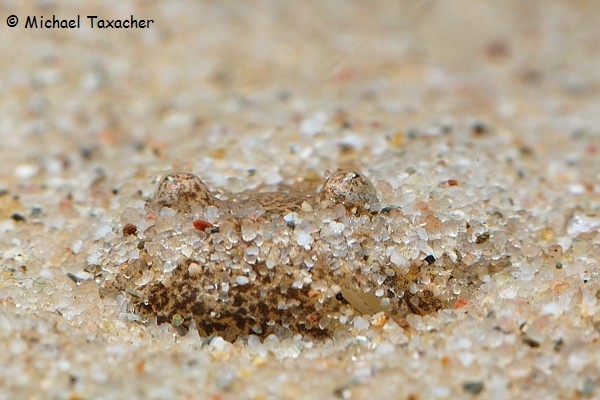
{"type": "Point", "coordinates": [339, 296]}
{"type": "Point", "coordinates": [181, 190]}
{"type": "Point", "coordinates": [351, 189]}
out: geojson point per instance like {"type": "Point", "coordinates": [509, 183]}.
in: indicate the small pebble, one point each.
{"type": "Point", "coordinates": [474, 387]}
{"type": "Point", "coordinates": [129, 229]}
{"type": "Point", "coordinates": [17, 217]}
{"type": "Point", "coordinates": [201, 224]}
{"type": "Point", "coordinates": [479, 129]}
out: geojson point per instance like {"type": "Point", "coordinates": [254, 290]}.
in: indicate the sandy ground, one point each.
{"type": "Point", "coordinates": [498, 98]}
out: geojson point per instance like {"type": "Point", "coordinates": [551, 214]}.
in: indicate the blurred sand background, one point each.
{"type": "Point", "coordinates": [90, 118]}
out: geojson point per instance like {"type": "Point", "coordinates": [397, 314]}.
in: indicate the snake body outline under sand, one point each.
{"type": "Point", "coordinates": [268, 268]}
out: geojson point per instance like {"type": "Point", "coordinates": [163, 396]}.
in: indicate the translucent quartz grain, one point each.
{"type": "Point", "coordinates": [248, 231]}
{"type": "Point", "coordinates": [211, 213]}
{"type": "Point", "coordinates": [242, 280]}
{"type": "Point", "coordinates": [304, 239]}
{"type": "Point", "coordinates": [450, 228]}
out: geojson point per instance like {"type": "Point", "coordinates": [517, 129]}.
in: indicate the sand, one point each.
{"type": "Point", "coordinates": [476, 119]}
